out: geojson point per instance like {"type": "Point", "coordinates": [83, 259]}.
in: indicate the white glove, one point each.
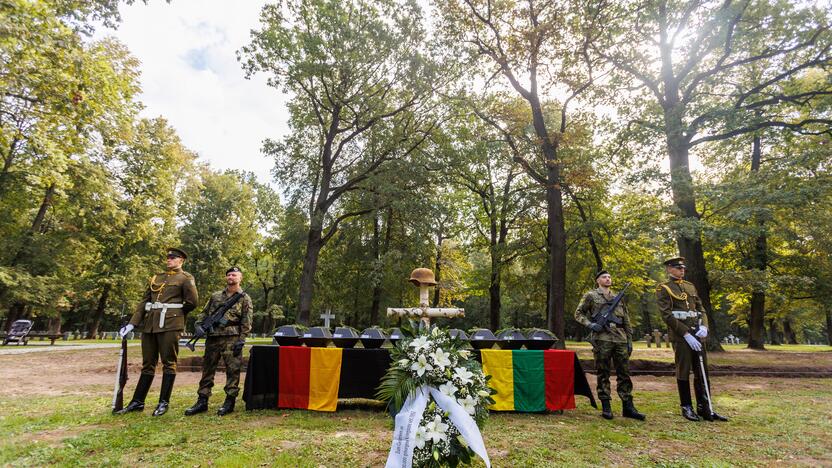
{"type": "Point", "coordinates": [693, 342]}
{"type": "Point", "coordinates": [702, 332]}
{"type": "Point", "coordinates": [125, 330]}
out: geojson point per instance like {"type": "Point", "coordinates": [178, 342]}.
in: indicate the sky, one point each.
{"type": "Point", "coordinates": [190, 76]}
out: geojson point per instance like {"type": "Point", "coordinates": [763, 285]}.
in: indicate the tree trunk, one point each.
{"type": "Point", "coordinates": [690, 246]}
{"type": "Point", "coordinates": [438, 269]}
{"type": "Point", "coordinates": [494, 299]}
{"type": "Point", "coordinates": [92, 332]}
{"type": "Point", "coordinates": [376, 303]}
{"type": "Point", "coordinates": [314, 243]}
{"type": "Point", "coordinates": [645, 313]}
{"type": "Point", "coordinates": [773, 333]}
{"type": "Point", "coordinates": [758, 262]}
{"type": "Point", "coordinates": [268, 321]}
{"type": "Point", "coordinates": [829, 326]}
{"type": "Point", "coordinates": [788, 332]}
{"type": "Point", "coordinates": [756, 321]}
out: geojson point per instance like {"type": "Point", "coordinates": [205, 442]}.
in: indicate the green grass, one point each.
{"type": "Point", "coordinates": [784, 423]}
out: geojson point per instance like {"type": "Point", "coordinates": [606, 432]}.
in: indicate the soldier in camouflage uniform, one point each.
{"type": "Point", "coordinates": [226, 342]}
{"type": "Point", "coordinates": [687, 324]}
{"type": "Point", "coordinates": [160, 317]}
{"type": "Point", "coordinates": [613, 343]}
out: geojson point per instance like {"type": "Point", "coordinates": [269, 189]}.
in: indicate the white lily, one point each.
{"type": "Point", "coordinates": [483, 393]}
{"type": "Point", "coordinates": [448, 389]}
{"type": "Point", "coordinates": [420, 343]}
{"type": "Point", "coordinates": [464, 353]}
{"type": "Point", "coordinates": [463, 375]}
{"type": "Point", "coordinates": [441, 358]}
{"type": "Point", "coordinates": [421, 437]}
{"type": "Point", "coordinates": [421, 366]}
{"type": "Point", "coordinates": [469, 404]}
{"type": "Point", "coordinates": [436, 429]}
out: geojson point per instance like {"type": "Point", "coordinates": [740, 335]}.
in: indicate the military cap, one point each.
{"type": "Point", "coordinates": [177, 252]}
{"type": "Point", "coordinates": [675, 262]}
{"type": "Point", "coordinates": [233, 269]}
{"type": "Point", "coordinates": [601, 272]}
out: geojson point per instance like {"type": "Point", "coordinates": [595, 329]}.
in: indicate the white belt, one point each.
{"type": "Point", "coordinates": [684, 314]}
{"type": "Point", "coordinates": [164, 306]}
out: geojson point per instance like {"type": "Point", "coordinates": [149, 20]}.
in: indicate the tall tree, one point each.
{"type": "Point", "coordinates": [685, 56]}
{"type": "Point", "coordinates": [360, 82]}
{"type": "Point", "coordinates": [539, 48]}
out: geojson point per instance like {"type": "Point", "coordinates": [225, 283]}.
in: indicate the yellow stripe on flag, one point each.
{"type": "Point", "coordinates": [498, 364]}
{"type": "Point", "coordinates": [324, 378]}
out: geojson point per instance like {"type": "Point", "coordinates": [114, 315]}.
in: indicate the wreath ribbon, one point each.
{"type": "Point", "coordinates": [409, 417]}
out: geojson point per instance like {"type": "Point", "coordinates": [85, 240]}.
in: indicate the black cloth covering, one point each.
{"type": "Point", "coordinates": [361, 373]}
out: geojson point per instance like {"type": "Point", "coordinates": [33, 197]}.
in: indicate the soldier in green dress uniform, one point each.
{"type": "Point", "coordinates": [226, 342]}
{"type": "Point", "coordinates": [611, 343]}
{"type": "Point", "coordinates": [160, 317]}
{"type": "Point", "coordinates": [682, 311]}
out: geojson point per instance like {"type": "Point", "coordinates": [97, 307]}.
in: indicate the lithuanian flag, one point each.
{"type": "Point", "coordinates": [530, 380]}
{"type": "Point", "coordinates": [309, 378]}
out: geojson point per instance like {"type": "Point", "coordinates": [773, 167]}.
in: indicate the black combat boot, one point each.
{"type": "Point", "coordinates": [704, 412]}
{"type": "Point", "coordinates": [137, 403]}
{"type": "Point", "coordinates": [703, 409]}
{"type": "Point", "coordinates": [606, 409]}
{"type": "Point", "coordinates": [631, 412]}
{"type": "Point", "coordinates": [227, 406]}
{"type": "Point", "coordinates": [687, 413]}
{"type": "Point", "coordinates": [200, 406]}
{"type": "Point", "coordinates": [164, 394]}
{"type": "Point", "coordinates": [684, 399]}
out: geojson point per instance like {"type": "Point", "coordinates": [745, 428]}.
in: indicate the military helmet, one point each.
{"type": "Point", "coordinates": [422, 276]}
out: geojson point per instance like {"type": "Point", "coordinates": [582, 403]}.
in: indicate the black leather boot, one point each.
{"type": "Point", "coordinates": [137, 403]}
{"type": "Point", "coordinates": [606, 409]}
{"type": "Point", "coordinates": [631, 412]}
{"type": "Point", "coordinates": [704, 412]}
{"type": "Point", "coordinates": [227, 406]}
{"type": "Point", "coordinates": [164, 394]}
{"type": "Point", "coordinates": [687, 413]}
{"type": "Point", "coordinates": [200, 406]}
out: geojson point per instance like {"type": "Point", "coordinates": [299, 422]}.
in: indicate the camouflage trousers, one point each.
{"type": "Point", "coordinates": [604, 352]}
{"type": "Point", "coordinates": [216, 347]}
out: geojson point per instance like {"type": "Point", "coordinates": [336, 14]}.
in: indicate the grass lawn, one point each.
{"type": "Point", "coordinates": [54, 410]}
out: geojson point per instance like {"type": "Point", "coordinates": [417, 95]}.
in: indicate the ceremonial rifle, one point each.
{"type": "Point", "coordinates": [213, 320]}
{"type": "Point", "coordinates": [607, 315]}
{"type": "Point", "coordinates": [121, 377]}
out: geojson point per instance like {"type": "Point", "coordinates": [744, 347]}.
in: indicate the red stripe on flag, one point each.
{"type": "Point", "coordinates": [559, 366]}
{"type": "Point", "coordinates": [293, 377]}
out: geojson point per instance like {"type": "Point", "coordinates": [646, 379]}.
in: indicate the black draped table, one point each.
{"type": "Point", "coordinates": [361, 371]}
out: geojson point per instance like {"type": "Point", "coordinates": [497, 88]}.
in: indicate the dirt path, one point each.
{"type": "Point", "coordinates": [70, 371]}
{"type": "Point", "coordinates": [9, 350]}
{"type": "Point", "coordinates": [90, 370]}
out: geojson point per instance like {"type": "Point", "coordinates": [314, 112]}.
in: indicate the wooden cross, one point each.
{"type": "Point", "coordinates": [327, 316]}
{"type": "Point", "coordinates": [424, 312]}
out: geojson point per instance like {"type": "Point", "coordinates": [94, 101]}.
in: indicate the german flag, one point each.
{"type": "Point", "coordinates": [530, 380]}
{"type": "Point", "coordinates": [309, 377]}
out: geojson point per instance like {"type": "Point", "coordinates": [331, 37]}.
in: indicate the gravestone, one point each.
{"type": "Point", "coordinates": [657, 338]}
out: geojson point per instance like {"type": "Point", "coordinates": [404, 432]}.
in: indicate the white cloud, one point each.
{"type": "Point", "coordinates": [191, 76]}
